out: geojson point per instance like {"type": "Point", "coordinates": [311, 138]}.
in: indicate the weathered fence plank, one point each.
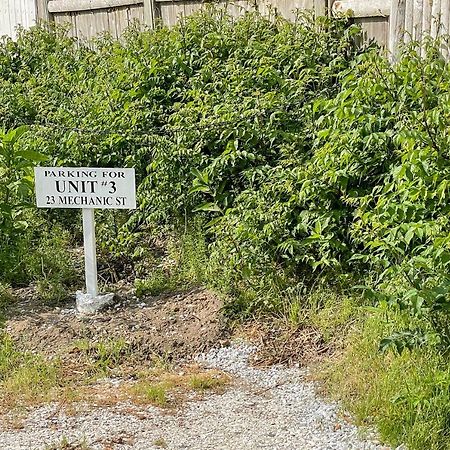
{"type": "Point", "coordinates": [356, 8]}
{"type": "Point", "coordinates": [42, 11]}
{"type": "Point", "coordinates": [374, 29]}
{"type": "Point", "coordinates": [396, 26]}
{"type": "Point", "coordinates": [150, 14]}
{"type": "Point", "coordinates": [435, 18]}
{"type": "Point", "coordinates": [61, 6]}
{"type": "Point", "coordinates": [409, 20]}
{"type": "Point", "coordinates": [418, 19]}
{"type": "Point", "coordinates": [445, 17]}
{"type": "Point", "coordinates": [14, 13]}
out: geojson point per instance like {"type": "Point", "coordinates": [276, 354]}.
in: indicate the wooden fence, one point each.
{"type": "Point", "coordinates": [389, 22]}
{"type": "Point", "coordinates": [90, 17]}
{"type": "Point", "coordinates": [414, 19]}
{"type": "Point", "coordinates": [13, 13]}
{"type": "Point", "coordinates": [395, 22]}
{"type": "Point", "coordinates": [371, 15]}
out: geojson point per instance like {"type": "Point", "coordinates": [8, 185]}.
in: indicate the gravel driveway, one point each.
{"type": "Point", "coordinates": [272, 408]}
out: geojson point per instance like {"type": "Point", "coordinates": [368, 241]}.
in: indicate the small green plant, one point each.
{"type": "Point", "coordinates": [6, 297]}
{"type": "Point", "coordinates": [160, 442]}
{"type": "Point", "coordinates": [155, 284]}
{"type": "Point", "coordinates": [162, 362]}
{"type": "Point", "coordinates": [156, 394]}
{"type": "Point", "coordinates": [109, 353]}
{"type": "Point", "coordinates": [66, 444]}
{"type": "Point", "coordinates": [24, 377]}
{"type": "Point", "coordinates": [51, 292]}
{"type": "Point", "coordinates": [295, 313]}
{"type": "Point", "coordinates": [105, 355]}
{"type": "Point", "coordinates": [205, 381]}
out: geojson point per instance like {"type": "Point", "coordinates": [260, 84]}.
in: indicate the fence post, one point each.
{"type": "Point", "coordinates": [42, 10]}
{"type": "Point", "coordinates": [320, 7]}
{"type": "Point", "coordinates": [396, 27]}
{"type": "Point", "coordinates": [435, 18]}
{"type": "Point", "coordinates": [418, 19]}
{"type": "Point", "coordinates": [409, 21]}
{"type": "Point", "coordinates": [150, 13]}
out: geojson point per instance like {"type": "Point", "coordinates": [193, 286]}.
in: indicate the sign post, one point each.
{"type": "Point", "coordinates": [87, 189]}
{"type": "Point", "coordinates": [90, 252]}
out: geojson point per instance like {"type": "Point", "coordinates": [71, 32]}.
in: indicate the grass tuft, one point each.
{"type": "Point", "coordinates": [206, 381]}
{"type": "Point", "coordinates": [156, 394]}
{"type": "Point", "coordinates": [25, 378]}
{"type": "Point", "coordinates": [160, 442]}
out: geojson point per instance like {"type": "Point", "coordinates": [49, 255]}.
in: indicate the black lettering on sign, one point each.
{"type": "Point", "coordinates": [112, 185]}
{"type": "Point", "coordinates": [50, 200]}
{"type": "Point", "coordinates": [77, 186]}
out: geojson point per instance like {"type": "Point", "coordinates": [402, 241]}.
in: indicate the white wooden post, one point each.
{"type": "Point", "coordinates": [90, 253]}
{"type": "Point", "coordinates": [42, 10]}
{"type": "Point", "coordinates": [396, 27]}
{"type": "Point", "coordinates": [150, 13]}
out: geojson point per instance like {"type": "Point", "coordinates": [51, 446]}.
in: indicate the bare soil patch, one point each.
{"type": "Point", "coordinates": [281, 343]}
{"type": "Point", "coordinates": [174, 326]}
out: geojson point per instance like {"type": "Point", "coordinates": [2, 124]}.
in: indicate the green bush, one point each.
{"type": "Point", "coordinates": [16, 162]}
{"type": "Point", "coordinates": [159, 102]}
{"type": "Point", "coordinates": [28, 250]}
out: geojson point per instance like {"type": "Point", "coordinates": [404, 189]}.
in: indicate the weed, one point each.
{"type": "Point", "coordinates": [6, 295]}
{"type": "Point", "coordinates": [189, 252]}
{"type": "Point", "coordinates": [156, 394]}
{"type": "Point", "coordinates": [6, 299]}
{"type": "Point", "coordinates": [109, 353]}
{"type": "Point", "coordinates": [66, 444]}
{"type": "Point", "coordinates": [206, 381]}
{"type": "Point", "coordinates": [331, 312]}
{"type": "Point", "coordinates": [165, 388]}
{"type": "Point", "coordinates": [51, 291]}
{"type": "Point", "coordinates": [185, 264]}
{"type": "Point", "coordinates": [162, 362]}
{"type": "Point", "coordinates": [160, 442]}
{"type": "Point", "coordinates": [24, 377]}
{"type": "Point", "coordinates": [158, 282]}
{"type": "Point", "coordinates": [103, 356]}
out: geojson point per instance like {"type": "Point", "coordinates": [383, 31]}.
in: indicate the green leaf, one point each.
{"type": "Point", "coordinates": [31, 155]}
{"type": "Point", "coordinates": [209, 206]}
{"type": "Point", "coordinates": [200, 188]}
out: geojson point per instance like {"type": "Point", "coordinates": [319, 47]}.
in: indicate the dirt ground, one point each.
{"type": "Point", "coordinates": [174, 326]}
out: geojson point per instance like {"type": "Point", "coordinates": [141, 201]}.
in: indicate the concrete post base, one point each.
{"type": "Point", "coordinates": [86, 304]}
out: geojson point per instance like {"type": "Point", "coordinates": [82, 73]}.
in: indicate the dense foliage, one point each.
{"type": "Point", "coordinates": [304, 159]}
{"type": "Point", "coordinates": [204, 111]}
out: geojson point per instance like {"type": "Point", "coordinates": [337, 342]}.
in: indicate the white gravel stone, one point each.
{"type": "Point", "coordinates": [272, 408]}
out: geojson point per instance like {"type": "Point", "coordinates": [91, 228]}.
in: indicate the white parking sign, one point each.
{"type": "Point", "coordinates": [94, 188]}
